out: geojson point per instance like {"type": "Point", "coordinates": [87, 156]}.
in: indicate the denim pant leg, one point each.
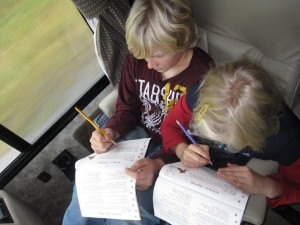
{"type": "Point", "coordinates": [137, 133]}
{"type": "Point", "coordinates": [73, 215]}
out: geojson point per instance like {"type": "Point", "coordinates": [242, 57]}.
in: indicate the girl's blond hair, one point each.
{"type": "Point", "coordinates": [166, 24]}
{"type": "Point", "coordinates": [242, 106]}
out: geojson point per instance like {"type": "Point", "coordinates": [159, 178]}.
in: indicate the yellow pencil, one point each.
{"type": "Point", "coordinates": [93, 123]}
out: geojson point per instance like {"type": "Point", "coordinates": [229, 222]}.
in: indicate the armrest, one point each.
{"type": "Point", "coordinates": [257, 204]}
{"type": "Point", "coordinates": [20, 211]}
{"type": "Point", "coordinates": [108, 104]}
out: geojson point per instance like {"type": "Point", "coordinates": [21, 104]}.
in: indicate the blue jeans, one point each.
{"type": "Point", "coordinates": [145, 201]}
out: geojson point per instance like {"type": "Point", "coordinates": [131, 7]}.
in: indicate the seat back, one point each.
{"type": "Point", "coordinates": [266, 32]}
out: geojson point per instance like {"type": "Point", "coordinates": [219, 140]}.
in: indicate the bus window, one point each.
{"type": "Point", "coordinates": [7, 155]}
{"type": "Point", "coordinates": [47, 63]}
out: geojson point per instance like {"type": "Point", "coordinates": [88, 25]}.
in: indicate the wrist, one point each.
{"type": "Point", "coordinates": [159, 163]}
{"type": "Point", "coordinates": [273, 188]}
{"type": "Point", "coordinates": [179, 149]}
{"type": "Point", "coordinates": [115, 134]}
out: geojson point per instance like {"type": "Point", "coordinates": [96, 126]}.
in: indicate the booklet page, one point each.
{"type": "Point", "coordinates": [196, 196]}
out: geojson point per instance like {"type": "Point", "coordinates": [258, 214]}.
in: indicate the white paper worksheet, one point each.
{"type": "Point", "coordinates": [104, 190]}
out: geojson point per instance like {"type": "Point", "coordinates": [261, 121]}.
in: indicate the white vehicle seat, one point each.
{"type": "Point", "coordinates": [16, 212]}
{"type": "Point", "coordinates": [266, 32]}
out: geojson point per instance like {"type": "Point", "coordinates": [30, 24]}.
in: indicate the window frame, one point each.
{"type": "Point", "coordinates": [29, 151]}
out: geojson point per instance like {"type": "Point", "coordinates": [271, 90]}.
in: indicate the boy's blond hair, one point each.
{"type": "Point", "coordinates": [242, 106]}
{"type": "Point", "coordinates": [166, 24]}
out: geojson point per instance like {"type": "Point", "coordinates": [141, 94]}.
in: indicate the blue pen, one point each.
{"type": "Point", "coordinates": [188, 135]}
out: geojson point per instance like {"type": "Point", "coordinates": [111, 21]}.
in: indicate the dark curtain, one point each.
{"type": "Point", "coordinates": [110, 31]}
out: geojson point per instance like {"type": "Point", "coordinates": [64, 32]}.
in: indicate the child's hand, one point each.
{"type": "Point", "coordinates": [101, 143]}
{"type": "Point", "coordinates": [192, 155]}
{"type": "Point", "coordinates": [145, 171]}
{"type": "Point", "coordinates": [248, 180]}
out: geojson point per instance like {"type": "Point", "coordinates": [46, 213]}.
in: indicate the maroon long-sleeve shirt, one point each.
{"type": "Point", "coordinates": [145, 99]}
